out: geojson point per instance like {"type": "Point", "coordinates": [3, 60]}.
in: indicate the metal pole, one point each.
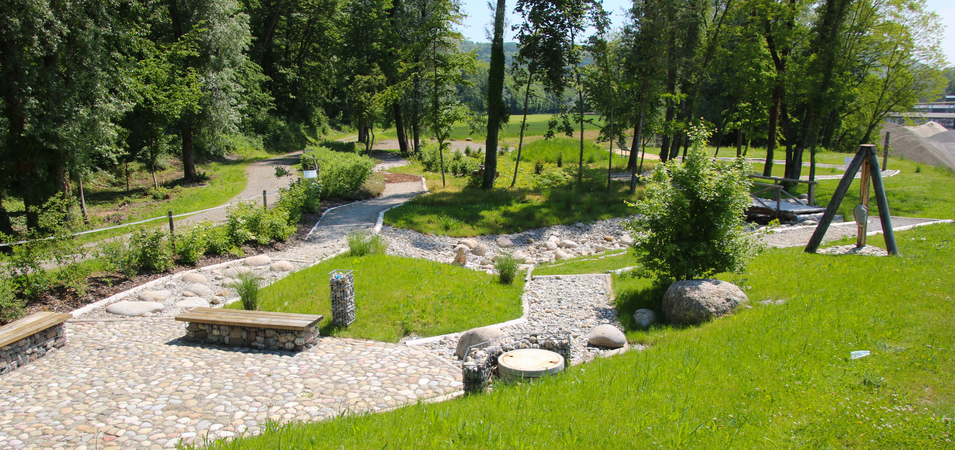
{"type": "Point", "coordinates": [265, 199]}
{"type": "Point", "coordinates": [885, 151]}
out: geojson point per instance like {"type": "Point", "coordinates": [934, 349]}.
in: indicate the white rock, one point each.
{"type": "Point", "coordinates": [194, 277]}
{"type": "Point", "coordinates": [188, 294]}
{"type": "Point", "coordinates": [607, 336]}
{"type": "Point", "coordinates": [479, 249]}
{"type": "Point", "coordinates": [471, 243]}
{"type": "Point", "coordinates": [200, 290]}
{"type": "Point", "coordinates": [567, 243]}
{"type": "Point", "coordinates": [461, 249]}
{"type": "Point", "coordinates": [504, 242]}
{"type": "Point", "coordinates": [626, 240]}
{"type": "Point", "coordinates": [154, 296]}
{"type": "Point", "coordinates": [519, 256]}
{"type": "Point", "coordinates": [551, 245]}
{"type": "Point", "coordinates": [258, 260]}
{"type": "Point", "coordinates": [476, 336]}
{"type": "Point", "coordinates": [194, 302]}
{"type": "Point", "coordinates": [600, 249]}
{"type": "Point", "coordinates": [281, 266]}
{"type": "Point", "coordinates": [560, 254]}
{"type": "Point", "coordinates": [643, 318]}
{"type": "Point", "coordinates": [233, 272]}
{"type": "Point", "coordinates": [134, 309]}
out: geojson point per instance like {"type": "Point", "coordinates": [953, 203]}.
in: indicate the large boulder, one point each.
{"type": "Point", "coordinates": [476, 336]}
{"type": "Point", "coordinates": [479, 249]}
{"type": "Point", "coordinates": [692, 302]}
{"type": "Point", "coordinates": [607, 336]}
{"type": "Point", "coordinates": [504, 242]}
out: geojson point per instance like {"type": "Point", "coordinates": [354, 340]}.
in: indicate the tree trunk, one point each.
{"type": "Point", "coordinates": [610, 164]}
{"type": "Point", "coordinates": [637, 140]}
{"type": "Point", "coordinates": [580, 99]}
{"type": "Point", "coordinates": [495, 103]}
{"type": "Point", "coordinates": [520, 141]}
{"type": "Point", "coordinates": [188, 157]}
{"type": "Point", "coordinates": [773, 125]}
{"type": "Point", "coordinates": [739, 142]}
{"type": "Point", "coordinates": [399, 126]}
{"type": "Point", "coordinates": [79, 183]}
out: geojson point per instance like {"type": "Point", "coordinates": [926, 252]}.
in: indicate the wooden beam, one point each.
{"type": "Point", "coordinates": [883, 202]}
{"type": "Point", "coordinates": [836, 200]}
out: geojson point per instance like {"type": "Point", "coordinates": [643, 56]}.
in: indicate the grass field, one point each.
{"type": "Point", "coordinates": [510, 133]}
{"type": "Point", "coordinates": [397, 297]}
{"type": "Point", "coordinates": [776, 375]}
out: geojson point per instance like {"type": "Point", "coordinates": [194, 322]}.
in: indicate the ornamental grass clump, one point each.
{"type": "Point", "coordinates": [506, 266]}
{"type": "Point", "coordinates": [247, 288]}
{"type": "Point", "coordinates": [361, 244]}
{"type": "Point", "coordinates": [690, 225]}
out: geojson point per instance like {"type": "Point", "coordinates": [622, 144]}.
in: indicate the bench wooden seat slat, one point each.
{"type": "Point", "coordinates": [257, 319]}
{"type": "Point", "coordinates": [30, 325]}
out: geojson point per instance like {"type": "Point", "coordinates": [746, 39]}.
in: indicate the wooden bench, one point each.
{"type": "Point", "coordinates": [256, 329]}
{"type": "Point", "coordinates": [777, 207]}
{"type": "Point", "coordinates": [30, 338]}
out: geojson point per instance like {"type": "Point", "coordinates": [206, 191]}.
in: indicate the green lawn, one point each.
{"type": "Point", "coordinates": [771, 376]}
{"type": "Point", "coordinates": [396, 297]}
{"type": "Point", "coordinates": [601, 263]}
{"type": "Point", "coordinates": [537, 200]}
{"type": "Point", "coordinates": [536, 127]}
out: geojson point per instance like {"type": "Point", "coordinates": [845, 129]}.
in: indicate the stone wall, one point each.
{"type": "Point", "coordinates": [31, 348]}
{"type": "Point", "coordinates": [253, 337]}
{"type": "Point", "coordinates": [480, 364]}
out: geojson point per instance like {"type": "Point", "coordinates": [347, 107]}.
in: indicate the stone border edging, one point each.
{"type": "Point", "coordinates": [323, 216]}
{"type": "Point", "coordinates": [909, 227]}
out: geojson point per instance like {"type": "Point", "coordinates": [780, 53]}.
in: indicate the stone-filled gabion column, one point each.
{"type": "Point", "coordinates": [342, 285]}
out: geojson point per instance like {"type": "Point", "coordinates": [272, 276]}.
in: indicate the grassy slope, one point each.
{"type": "Point", "coordinates": [396, 296]}
{"type": "Point", "coordinates": [770, 376]}
{"type": "Point", "coordinates": [536, 126]}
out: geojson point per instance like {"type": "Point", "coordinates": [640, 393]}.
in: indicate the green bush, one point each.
{"type": "Point", "coordinates": [11, 307]}
{"type": "Point", "coordinates": [340, 173]}
{"type": "Point", "coordinates": [190, 244]}
{"type": "Point", "coordinates": [430, 157]}
{"type": "Point", "coordinates": [361, 244]}
{"type": "Point", "coordinates": [118, 257]}
{"type": "Point", "coordinates": [462, 165]}
{"type": "Point", "coordinates": [151, 250]}
{"type": "Point", "coordinates": [300, 198]}
{"type": "Point", "coordinates": [690, 224]}
{"type": "Point", "coordinates": [506, 266]}
{"type": "Point", "coordinates": [248, 222]}
{"type": "Point", "coordinates": [215, 238]}
{"type": "Point", "coordinates": [247, 288]}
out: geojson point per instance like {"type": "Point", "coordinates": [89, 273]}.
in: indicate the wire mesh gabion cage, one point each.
{"type": "Point", "coordinates": [342, 284]}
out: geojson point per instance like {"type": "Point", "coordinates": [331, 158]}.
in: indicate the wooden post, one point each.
{"type": "Point", "coordinates": [172, 231]}
{"type": "Point", "coordinates": [265, 199]}
{"type": "Point", "coordinates": [837, 197]}
{"type": "Point", "coordinates": [864, 201]}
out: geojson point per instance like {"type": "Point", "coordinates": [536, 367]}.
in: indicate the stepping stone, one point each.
{"type": "Point", "coordinates": [194, 278]}
{"type": "Point", "coordinates": [200, 290]}
{"type": "Point", "coordinates": [607, 336]}
{"type": "Point", "coordinates": [194, 302]}
{"type": "Point", "coordinates": [281, 266]}
{"type": "Point", "coordinates": [258, 260]}
{"type": "Point", "coordinates": [154, 296]}
{"type": "Point", "coordinates": [134, 309]}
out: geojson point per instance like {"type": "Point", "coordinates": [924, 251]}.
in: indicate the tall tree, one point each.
{"type": "Point", "coordinates": [496, 110]}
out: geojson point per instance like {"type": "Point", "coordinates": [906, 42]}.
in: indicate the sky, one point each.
{"type": "Point", "coordinates": [479, 20]}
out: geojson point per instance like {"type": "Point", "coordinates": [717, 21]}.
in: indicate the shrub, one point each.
{"type": "Point", "coordinates": [190, 244]}
{"type": "Point", "coordinates": [506, 266]}
{"type": "Point", "coordinates": [248, 222]}
{"type": "Point", "coordinates": [361, 244]}
{"type": "Point", "coordinates": [215, 238]}
{"type": "Point", "coordinates": [538, 167]}
{"type": "Point", "coordinates": [690, 224]}
{"type": "Point", "coordinates": [247, 288]}
{"type": "Point", "coordinates": [159, 193]}
{"type": "Point", "coordinates": [11, 307]}
{"type": "Point", "coordinates": [151, 250]}
{"type": "Point", "coordinates": [460, 164]}
{"type": "Point", "coordinates": [430, 157]}
{"type": "Point", "coordinates": [118, 257]}
{"type": "Point", "coordinates": [340, 173]}
{"type": "Point", "coordinates": [300, 198]}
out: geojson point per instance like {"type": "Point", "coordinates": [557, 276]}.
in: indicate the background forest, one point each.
{"type": "Point", "coordinates": [91, 86]}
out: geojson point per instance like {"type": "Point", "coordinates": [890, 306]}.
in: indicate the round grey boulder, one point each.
{"type": "Point", "coordinates": [471, 243]}
{"type": "Point", "coordinates": [258, 260]}
{"type": "Point", "coordinates": [134, 309]}
{"type": "Point", "coordinates": [607, 336]}
{"type": "Point", "coordinates": [560, 254]}
{"type": "Point", "coordinates": [504, 242]}
{"type": "Point", "coordinates": [567, 243]}
{"type": "Point", "coordinates": [194, 277]}
{"type": "Point", "coordinates": [643, 318]}
{"type": "Point", "coordinates": [234, 272]}
{"type": "Point", "coordinates": [476, 336]}
{"type": "Point", "coordinates": [154, 296]}
{"type": "Point", "coordinates": [479, 250]}
{"type": "Point", "coordinates": [200, 290]}
{"type": "Point", "coordinates": [692, 302]}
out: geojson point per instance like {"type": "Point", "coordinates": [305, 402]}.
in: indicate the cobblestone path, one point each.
{"type": "Point", "coordinates": [134, 383]}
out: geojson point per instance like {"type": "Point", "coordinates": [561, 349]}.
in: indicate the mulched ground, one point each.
{"type": "Point", "coordinates": [400, 177]}
{"type": "Point", "coordinates": [103, 285]}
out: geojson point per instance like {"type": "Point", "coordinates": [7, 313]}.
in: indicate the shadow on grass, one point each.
{"type": "Point", "coordinates": [637, 293]}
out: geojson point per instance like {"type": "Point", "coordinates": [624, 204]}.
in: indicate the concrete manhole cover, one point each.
{"type": "Point", "coordinates": [529, 363]}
